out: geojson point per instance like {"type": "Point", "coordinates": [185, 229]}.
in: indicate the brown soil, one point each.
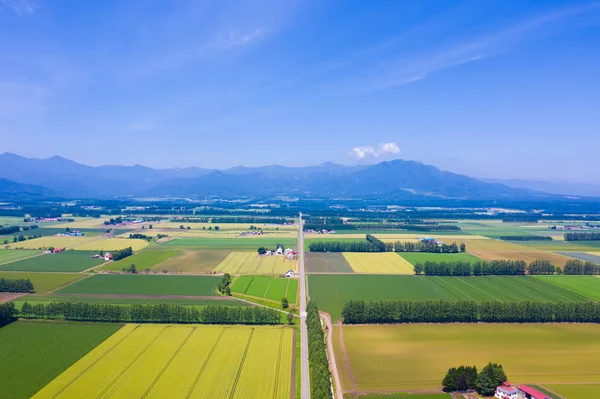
{"type": "Point", "coordinates": [9, 296]}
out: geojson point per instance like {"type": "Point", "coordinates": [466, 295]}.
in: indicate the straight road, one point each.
{"type": "Point", "coordinates": [305, 373]}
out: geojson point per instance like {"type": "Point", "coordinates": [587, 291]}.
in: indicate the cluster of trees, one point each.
{"type": "Point", "coordinates": [8, 313]}
{"type": "Point", "coordinates": [131, 269]}
{"type": "Point", "coordinates": [381, 246]}
{"type": "Point", "coordinates": [361, 312]}
{"type": "Point", "coordinates": [427, 246]}
{"type": "Point", "coordinates": [232, 219]}
{"type": "Point", "coordinates": [159, 236]}
{"type": "Point", "coordinates": [263, 250]}
{"type": "Point", "coordinates": [224, 284]}
{"type": "Point", "coordinates": [113, 221]}
{"type": "Point", "coordinates": [320, 377]}
{"type": "Point", "coordinates": [5, 230]}
{"type": "Point", "coordinates": [485, 268]}
{"type": "Point", "coordinates": [328, 226]}
{"type": "Point", "coordinates": [429, 227]}
{"type": "Point", "coordinates": [122, 254]}
{"type": "Point", "coordinates": [526, 238]}
{"type": "Point", "coordinates": [521, 219]}
{"type": "Point", "coordinates": [588, 236]}
{"type": "Point", "coordinates": [465, 378]}
{"type": "Point", "coordinates": [15, 285]}
{"type": "Point", "coordinates": [374, 244]}
{"type": "Point", "coordinates": [576, 266]}
{"type": "Point", "coordinates": [140, 236]}
{"type": "Point", "coordinates": [342, 246]}
{"type": "Point", "coordinates": [160, 313]}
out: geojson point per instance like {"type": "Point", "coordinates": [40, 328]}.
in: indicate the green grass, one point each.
{"type": "Point", "coordinates": [128, 284]}
{"type": "Point", "coordinates": [277, 289]}
{"type": "Point", "coordinates": [227, 243]}
{"type": "Point", "coordinates": [50, 231]}
{"type": "Point", "coordinates": [414, 257]}
{"type": "Point", "coordinates": [142, 260]}
{"type": "Point", "coordinates": [8, 255]}
{"type": "Point", "coordinates": [33, 354]}
{"type": "Point", "coordinates": [544, 390]}
{"type": "Point", "coordinates": [66, 261]}
{"type": "Point", "coordinates": [576, 391]}
{"type": "Point", "coordinates": [258, 286]}
{"type": "Point", "coordinates": [587, 286]}
{"type": "Point", "coordinates": [331, 292]}
{"type": "Point", "coordinates": [44, 282]}
{"type": "Point", "coordinates": [292, 293]}
{"type": "Point", "coordinates": [42, 298]}
{"type": "Point", "coordinates": [240, 285]}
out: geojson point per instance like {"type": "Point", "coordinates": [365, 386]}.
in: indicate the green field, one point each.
{"type": "Point", "coordinates": [44, 282]}
{"type": "Point", "coordinates": [7, 255]}
{"type": "Point", "coordinates": [51, 231]}
{"type": "Point", "coordinates": [576, 391]}
{"type": "Point", "coordinates": [414, 257]}
{"type": "Point", "coordinates": [66, 261]}
{"type": "Point", "coordinates": [587, 286]}
{"type": "Point", "coordinates": [42, 298]}
{"type": "Point", "coordinates": [272, 288]}
{"type": "Point", "coordinates": [177, 361]}
{"type": "Point", "coordinates": [34, 353]}
{"type": "Point", "coordinates": [331, 292]}
{"type": "Point", "coordinates": [188, 261]}
{"type": "Point", "coordinates": [128, 284]}
{"type": "Point", "coordinates": [332, 262]}
{"type": "Point", "coordinates": [142, 260]}
{"type": "Point", "coordinates": [406, 357]}
{"type": "Point", "coordinates": [233, 244]}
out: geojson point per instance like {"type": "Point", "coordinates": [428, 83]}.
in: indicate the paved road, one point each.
{"type": "Point", "coordinates": [305, 373]}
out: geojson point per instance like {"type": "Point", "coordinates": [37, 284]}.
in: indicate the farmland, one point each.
{"type": "Point", "coordinates": [321, 262]}
{"type": "Point", "coordinates": [272, 288]}
{"type": "Point", "coordinates": [128, 299]}
{"type": "Point", "coordinates": [81, 243]}
{"type": "Point", "coordinates": [417, 356]}
{"type": "Point", "coordinates": [156, 361]}
{"type": "Point", "coordinates": [128, 284]}
{"type": "Point", "coordinates": [586, 286]}
{"type": "Point", "coordinates": [66, 261]}
{"type": "Point", "coordinates": [415, 257]}
{"type": "Point", "coordinates": [252, 263]}
{"type": "Point", "coordinates": [10, 256]}
{"type": "Point", "coordinates": [44, 282]}
{"type": "Point", "coordinates": [33, 353]}
{"type": "Point", "coordinates": [142, 260]}
{"type": "Point", "coordinates": [233, 244]}
{"type": "Point", "coordinates": [576, 391]}
{"type": "Point", "coordinates": [584, 256]}
{"type": "Point", "coordinates": [187, 261]}
{"type": "Point", "coordinates": [331, 292]}
{"type": "Point", "coordinates": [378, 263]}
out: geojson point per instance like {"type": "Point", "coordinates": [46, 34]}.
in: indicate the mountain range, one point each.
{"type": "Point", "coordinates": [397, 179]}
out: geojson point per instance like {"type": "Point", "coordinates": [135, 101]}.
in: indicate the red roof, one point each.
{"type": "Point", "coordinates": [534, 393]}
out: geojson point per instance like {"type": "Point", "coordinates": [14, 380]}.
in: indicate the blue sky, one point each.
{"type": "Point", "coordinates": [507, 89]}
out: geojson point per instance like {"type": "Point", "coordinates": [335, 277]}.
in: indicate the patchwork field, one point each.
{"type": "Point", "coordinates": [66, 261]}
{"type": "Point", "coordinates": [12, 255]}
{"type": "Point", "coordinates": [51, 231]}
{"type": "Point", "coordinates": [239, 227]}
{"type": "Point", "coordinates": [575, 391]}
{"type": "Point", "coordinates": [447, 238]}
{"type": "Point", "coordinates": [81, 243]}
{"type": "Point", "coordinates": [272, 288]}
{"type": "Point", "coordinates": [34, 353]}
{"type": "Point", "coordinates": [587, 286]}
{"type": "Point", "coordinates": [378, 263]}
{"type": "Point", "coordinates": [417, 356]}
{"type": "Point", "coordinates": [233, 244]}
{"type": "Point", "coordinates": [204, 261]}
{"type": "Point", "coordinates": [321, 262]}
{"type": "Point", "coordinates": [157, 361]}
{"type": "Point", "coordinates": [128, 284]}
{"type": "Point", "coordinates": [142, 260]}
{"type": "Point", "coordinates": [45, 282]}
{"type": "Point", "coordinates": [584, 256]}
{"type": "Point", "coordinates": [331, 292]}
{"type": "Point", "coordinates": [128, 299]}
{"type": "Point", "coordinates": [252, 263]}
{"type": "Point", "coordinates": [416, 257]}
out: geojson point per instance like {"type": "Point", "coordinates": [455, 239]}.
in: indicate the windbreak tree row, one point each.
{"type": "Point", "coordinates": [320, 377]}
{"type": "Point", "coordinates": [588, 236]}
{"type": "Point", "coordinates": [389, 312]}
{"type": "Point", "coordinates": [579, 267]}
{"type": "Point", "coordinates": [15, 285]}
{"type": "Point", "coordinates": [160, 313]}
{"type": "Point", "coordinates": [486, 268]}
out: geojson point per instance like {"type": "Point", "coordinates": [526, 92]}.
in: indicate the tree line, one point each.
{"type": "Point", "coordinates": [526, 238]}
{"type": "Point", "coordinates": [8, 313]}
{"type": "Point", "coordinates": [588, 236]}
{"type": "Point", "coordinates": [389, 312]}
{"type": "Point", "coordinates": [320, 377]}
{"type": "Point", "coordinates": [231, 219]}
{"type": "Point", "coordinates": [159, 313]}
{"type": "Point", "coordinates": [486, 268]}
{"type": "Point", "coordinates": [464, 378]}
{"type": "Point", "coordinates": [16, 285]}
{"type": "Point", "coordinates": [576, 266]}
{"type": "Point", "coordinates": [122, 254]}
{"type": "Point", "coordinates": [374, 244]}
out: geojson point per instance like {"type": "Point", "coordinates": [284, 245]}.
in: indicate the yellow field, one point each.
{"type": "Point", "coordinates": [81, 243]}
{"type": "Point", "coordinates": [251, 263]}
{"type": "Point", "coordinates": [211, 234]}
{"type": "Point", "coordinates": [378, 263]}
{"type": "Point", "coordinates": [177, 361]}
{"type": "Point", "coordinates": [501, 250]}
{"type": "Point", "coordinates": [83, 223]}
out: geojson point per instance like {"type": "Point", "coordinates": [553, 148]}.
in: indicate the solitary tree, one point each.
{"type": "Point", "coordinates": [290, 318]}
{"type": "Point", "coordinates": [418, 268]}
{"type": "Point", "coordinates": [463, 247]}
{"type": "Point", "coordinates": [262, 250]}
{"type": "Point", "coordinates": [284, 303]}
{"type": "Point", "coordinates": [216, 227]}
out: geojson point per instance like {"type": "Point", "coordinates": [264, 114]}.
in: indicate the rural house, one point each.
{"type": "Point", "coordinates": [506, 391]}
{"type": "Point", "coordinates": [289, 273]}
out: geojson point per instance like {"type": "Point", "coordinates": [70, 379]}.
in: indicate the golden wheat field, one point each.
{"type": "Point", "coordinates": [252, 263]}
{"type": "Point", "coordinates": [378, 263]}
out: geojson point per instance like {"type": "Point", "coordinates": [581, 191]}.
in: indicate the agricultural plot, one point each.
{"type": "Point", "coordinates": [204, 261]}
{"type": "Point", "coordinates": [586, 286]}
{"type": "Point", "coordinates": [403, 396]}
{"type": "Point", "coordinates": [445, 238]}
{"type": "Point", "coordinates": [232, 244]}
{"type": "Point", "coordinates": [142, 260]}
{"type": "Point", "coordinates": [501, 250]}
{"type": "Point", "coordinates": [130, 284]}
{"type": "Point", "coordinates": [252, 263]}
{"type": "Point", "coordinates": [66, 261]}
{"type": "Point", "coordinates": [416, 257]}
{"type": "Point", "coordinates": [584, 256]}
{"type": "Point", "coordinates": [417, 356]}
{"type": "Point", "coordinates": [81, 243]}
{"type": "Point", "coordinates": [13, 255]}
{"type": "Point", "coordinates": [332, 262]}
{"type": "Point", "coordinates": [35, 353]}
{"type": "Point", "coordinates": [84, 223]}
{"type": "Point", "coordinates": [575, 391]}
{"type": "Point", "coordinates": [45, 282]}
{"type": "Point", "coordinates": [129, 300]}
{"type": "Point", "coordinates": [331, 292]}
{"type": "Point", "coordinates": [272, 288]}
{"type": "Point", "coordinates": [239, 227]}
{"type": "Point", "coordinates": [557, 246]}
{"type": "Point", "coordinates": [157, 361]}
{"type": "Point", "coordinates": [51, 231]}
{"type": "Point", "coordinates": [378, 263]}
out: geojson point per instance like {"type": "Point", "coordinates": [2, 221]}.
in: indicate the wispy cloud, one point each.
{"type": "Point", "coordinates": [20, 7]}
{"type": "Point", "coordinates": [368, 152]}
{"type": "Point", "coordinates": [237, 39]}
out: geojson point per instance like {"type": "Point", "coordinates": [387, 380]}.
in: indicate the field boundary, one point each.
{"type": "Point", "coordinates": [212, 350]}
{"type": "Point", "coordinates": [17, 260]}
{"type": "Point", "coordinates": [60, 287]}
{"type": "Point", "coordinates": [347, 361]}
{"type": "Point", "coordinates": [241, 366]}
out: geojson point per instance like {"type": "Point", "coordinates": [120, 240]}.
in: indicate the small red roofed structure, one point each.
{"type": "Point", "coordinates": [530, 393]}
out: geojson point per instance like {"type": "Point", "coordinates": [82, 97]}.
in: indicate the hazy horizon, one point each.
{"type": "Point", "coordinates": [503, 90]}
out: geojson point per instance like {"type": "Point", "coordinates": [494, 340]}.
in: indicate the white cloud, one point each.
{"type": "Point", "coordinates": [237, 39]}
{"type": "Point", "coordinates": [368, 152]}
{"type": "Point", "coordinates": [19, 6]}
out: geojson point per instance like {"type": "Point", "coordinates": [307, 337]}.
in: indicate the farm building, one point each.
{"type": "Point", "coordinates": [279, 251]}
{"type": "Point", "coordinates": [289, 273]}
{"type": "Point", "coordinates": [506, 391]}
{"type": "Point", "coordinates": [526, 392]}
